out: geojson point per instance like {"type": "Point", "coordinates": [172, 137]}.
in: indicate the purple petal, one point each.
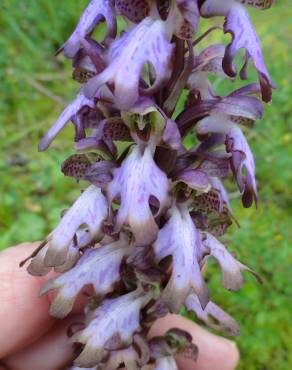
{"type": "Point", "coordinates": [223, 321]}
{"type": "Point", "coordinates": [242, 164]}
{"type": "Point", "coordinates": [100, 173]}
{"type": "Point", "coordinates": [244, 36]}
{"type": "Point", "coordinates": [135, 181]}
{"type": "Point", "coordinates": [116, 316]}
{"type": "Point", "coordinates": [89, 209]}
{"type": "Point", "coordinates": [146, 42]}
{"type": "Point", "coordinates": [180, 239]}
{"type": "Point", "coordinates": [99, 267]}
{"type": "Point", "coordinates": [64, 118]}
{"type": "Point", "coordinates": [260, 4]}
{"type": "Point", "coordinates": [195, 179]}
{"type": "Point", "coordinates": [96, 11]}
{"type": "Point", "coordinates": [37, 265]}
{"type": "Point", "coordinates": [232, 278]}
{"type": "Point", "coordinates": [172, 136]}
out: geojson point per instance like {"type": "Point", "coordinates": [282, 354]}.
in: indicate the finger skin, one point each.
{"type": "Point", "coordinates": [215, 353]}
{"type": "Point", "coordinates": [24, 316]}
{"type": "Point", "coordinates": [52, 352]}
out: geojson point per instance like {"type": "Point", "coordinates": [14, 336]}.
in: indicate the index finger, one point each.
{"type": "Point", "coordinates": [24, 317]}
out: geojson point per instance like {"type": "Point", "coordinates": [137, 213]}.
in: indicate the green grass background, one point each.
{"type": "Point", "coordinates": [33, 90]}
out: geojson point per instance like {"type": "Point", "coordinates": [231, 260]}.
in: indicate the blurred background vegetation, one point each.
{"type": "Point", "coordinates": [34, 88]}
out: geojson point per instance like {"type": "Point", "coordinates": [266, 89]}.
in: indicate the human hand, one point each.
{"type": "Point", "coordinates": [32, 340]}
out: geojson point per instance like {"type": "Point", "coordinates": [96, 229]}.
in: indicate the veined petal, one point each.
{"type": "Point", "coordinates": [224, 322]}
{"type": "Point", "coordinates": [37, 266]}
{"type": "Point", "coordinates": [116, 317]}
{"type": "Point", "coordinates": [242, 164]}
{"type": "Point", "coordinates": [232, 278]}
{"type": "Point", "coordinates": [64, 118]}
{"type": "Point", "coordinates": [99, 267]}
{"type": "Point", "coordinates": [96, 11]}
{"type": "Point", "coordinates": [135, 182]}
{"type": "Point", "coordinates": [146, 42]}
{"type": "Point", "coordinates": [244, 36]}
{"type": "Point", "coordinates": [89, 209]}
{"type": "Point", "coordinates": [180, 239]}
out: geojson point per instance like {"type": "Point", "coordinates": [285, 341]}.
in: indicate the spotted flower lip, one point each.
{"type": "Point", "coordinates": [156, 209]}
{"type": "Point", "coordinates": [146, 42]}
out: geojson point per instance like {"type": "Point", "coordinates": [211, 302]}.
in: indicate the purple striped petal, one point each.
{"type": "Point", "coordinates": [232, 278]}
{"type": "Point", "coordinates": [72, 109]}
{"type": "Point", "coordinates": [135, 182]}
{"type": "Point", "coordinates": [99, 267]}
{"type": "Point", "coordinates": [89, 209]}
{"type": "Point", "coordinates": [180, 239]}
{"type": "Point", "coordinates": [242, 164]}
{"type": "Point", "coordinates": [96, 11]}
{"type": "Point", "coordinates": [114, 317]}
{"type": "Point", "coordinates": [244, 36]}
{"type": "Point", "coordinates": [146, 42]}
{"type": "Point", "coordinates": [195, 179]}
{"type": "Point", "coordinates": [213, 316]}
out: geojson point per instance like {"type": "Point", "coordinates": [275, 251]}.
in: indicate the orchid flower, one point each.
{"type": "Point", "coordinates": [152, 210]}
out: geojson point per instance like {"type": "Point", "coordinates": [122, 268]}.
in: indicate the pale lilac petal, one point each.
{"type": "Point", "coordinates": [180, 239]}
{"type": "Point", "coordinates": [213, 316]}
{"type": "Point", "coordinates": [99, 267]}
{"type": "Point", "coordinates": [89, 209]}
{"type": "Point", "coordinates": [195, 179]}
{"type": "Point", "coordinates": [244, 36]}
{"type": "Point", "coordinates": [146, 42]}
{"type": "Point", "coordinates": [232, 278]}
{"type": "Point", "coordinates": [64, 118]}
{"type": "Point", "coordinates": [96, 11]}
{"type": "Point", "coordinates": [242, 164]}
{"type": "Point", "coordinates": [135, 181]}
{"type": "Point", "coordinates": [172, 136]}
{"type": "Point", "coordinates": [116, 317]}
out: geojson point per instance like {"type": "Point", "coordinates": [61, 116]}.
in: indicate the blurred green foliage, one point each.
{"type": "Point", "coordinates": [35, 86]}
